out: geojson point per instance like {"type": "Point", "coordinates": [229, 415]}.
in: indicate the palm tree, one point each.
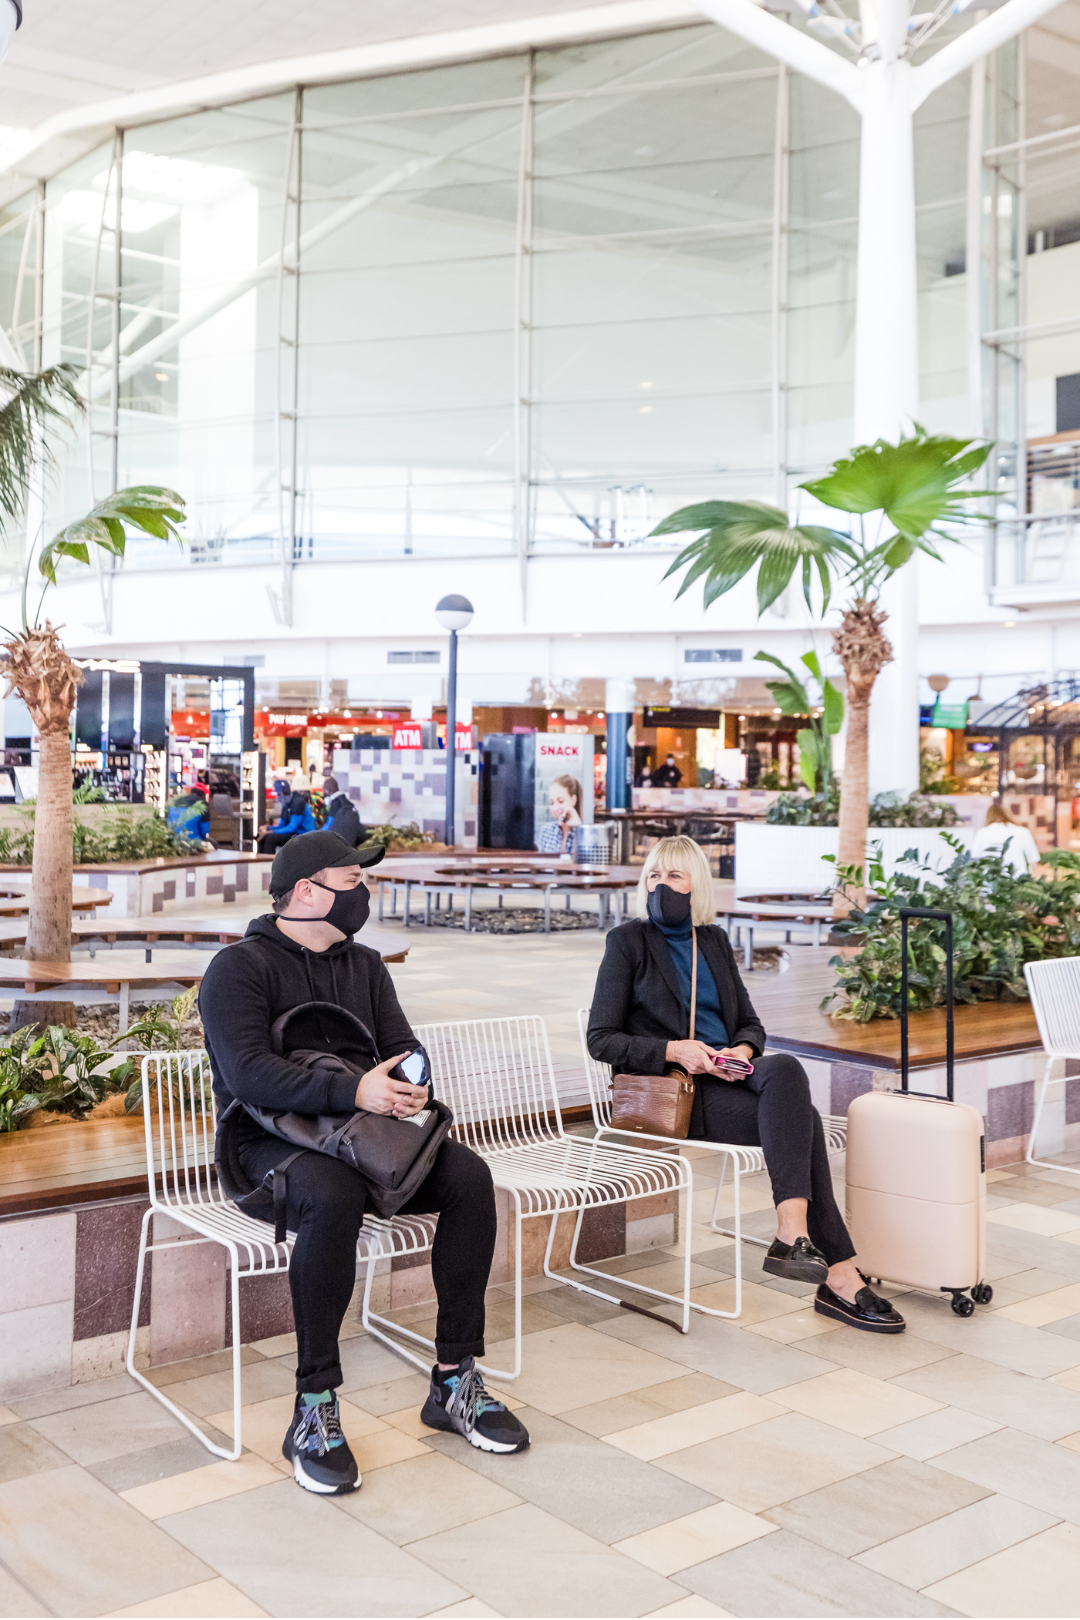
{"type": "Point", "coordinates": [37, 666]}
{"type": "Point", "coordinates": [901, 495]}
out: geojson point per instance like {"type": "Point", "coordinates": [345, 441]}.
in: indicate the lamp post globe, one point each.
{"type": "Point", "coordinates": [454, 613]}
{"type": "Point", "coordinates": [10, 20]}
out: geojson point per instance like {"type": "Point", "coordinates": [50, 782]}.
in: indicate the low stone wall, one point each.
{"type": "Point", "coordinates": [69, 1277]}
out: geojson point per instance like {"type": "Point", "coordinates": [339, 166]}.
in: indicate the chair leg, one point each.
{"type": "Point", "coordinates": [381, 1328]}
{"type": "Point", "coordinates": [140, 1378]}
{"type": "Point", "coordinates": [1029, 1156]}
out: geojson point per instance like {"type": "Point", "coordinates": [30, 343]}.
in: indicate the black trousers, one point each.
{"type": "Point", "coordinates": [772, 1110]}
{"type": "Point", "coordinates": [326, 1201]}
{"type": "Point", "coordinates": [271, 842]}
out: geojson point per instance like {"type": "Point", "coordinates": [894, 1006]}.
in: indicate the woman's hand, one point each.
{"type": "Point", "coordinates": [379, 1094]}
{"type": "Point", "coordinates": [693, 1056]}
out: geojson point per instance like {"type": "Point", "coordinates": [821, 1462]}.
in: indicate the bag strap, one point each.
{"type": "Point", "coordinates": [693, 980]}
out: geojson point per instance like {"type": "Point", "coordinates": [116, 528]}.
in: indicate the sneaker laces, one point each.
{"type": "Point", "coordinates": [469, 1397]}
{"type": "Point", "coordinates": [321, 1423]}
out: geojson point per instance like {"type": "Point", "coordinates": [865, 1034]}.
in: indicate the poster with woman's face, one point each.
{"type": "Point", "coordinates": [561, 756]}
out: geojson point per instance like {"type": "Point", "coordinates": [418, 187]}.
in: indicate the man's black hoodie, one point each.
{"type": "Point", "coordinates": [250, 984]}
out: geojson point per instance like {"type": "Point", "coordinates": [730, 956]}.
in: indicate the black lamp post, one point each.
{"type": "Point", "coordinates": [454, 613]}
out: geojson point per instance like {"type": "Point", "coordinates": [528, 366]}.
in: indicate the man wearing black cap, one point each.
{"type": "Point", "coordinates": [304, 952]}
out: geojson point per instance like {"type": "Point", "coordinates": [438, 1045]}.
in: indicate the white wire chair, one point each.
{"type": "Point", "coordinates": [179, 1117]}
{"type": "Point", "coordinates": [744, 1161]}
{"type": "Point", "coordinates": [1054, 988]}
{"type": "Point", "coordinates": [497, 1076]}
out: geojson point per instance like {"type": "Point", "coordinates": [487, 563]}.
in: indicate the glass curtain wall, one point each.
{"type": "Point", "coordinates": [508, 307]}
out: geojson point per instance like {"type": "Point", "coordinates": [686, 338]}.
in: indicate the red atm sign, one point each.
{"type": "Point", "coordinates": [406, 737]}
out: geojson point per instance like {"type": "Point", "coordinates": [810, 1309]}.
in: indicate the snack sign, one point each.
{"type": "Point", "coordinates": [560, 755]}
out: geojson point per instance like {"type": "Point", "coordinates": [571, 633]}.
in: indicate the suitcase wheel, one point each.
{"type": "Point", "coordinates": [963, 1306]}
{"type": "Point", "coordinates": [982, 1293]}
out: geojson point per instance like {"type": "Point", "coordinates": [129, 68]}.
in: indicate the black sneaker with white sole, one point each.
{"type": "Point", "coordinates": [459, 1402]}
{"type": "Point", "coordinates": [317, 1449]}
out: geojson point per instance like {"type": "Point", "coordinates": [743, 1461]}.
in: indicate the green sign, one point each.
{"type": "Point", "coordinates": [953, 716]}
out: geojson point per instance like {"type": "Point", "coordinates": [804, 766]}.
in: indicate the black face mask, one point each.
{"type": "Point", "coordinates": [668, 907]}
{"type": "Point", "coordinates": [349, 911]}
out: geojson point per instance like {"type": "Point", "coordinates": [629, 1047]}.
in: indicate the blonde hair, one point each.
{"type": "Point", "coordinates": [998, 813]}
{"type": "Point", "coordinates": [690, 857]}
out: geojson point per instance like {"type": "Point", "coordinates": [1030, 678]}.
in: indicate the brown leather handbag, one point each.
{"type": "Point", "coordinates": [657, 1104]}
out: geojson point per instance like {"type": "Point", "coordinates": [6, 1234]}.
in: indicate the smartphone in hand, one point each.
{"type": "Point", "coordinates": [733, 1068]}
{"type": "Point", "coordinates": [414, 1068]}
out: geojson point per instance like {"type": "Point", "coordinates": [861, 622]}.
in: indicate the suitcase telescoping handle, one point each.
{"type": "Point", "coordinates": [906, 913]}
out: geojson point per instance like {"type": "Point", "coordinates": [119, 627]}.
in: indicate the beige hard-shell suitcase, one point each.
{"type": "Point", "coordinates": [916, 1175]}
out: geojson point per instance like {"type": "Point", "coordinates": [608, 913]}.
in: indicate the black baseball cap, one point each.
{"type": "Point", "coordinates": [308, 853]}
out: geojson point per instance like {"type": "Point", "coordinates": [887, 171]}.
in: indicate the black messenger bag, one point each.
{"type": "Point", "coordinates": [394, 1156]}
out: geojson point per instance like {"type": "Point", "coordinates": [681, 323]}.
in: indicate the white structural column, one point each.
{"type": "Point", "coordinates": [885, 90]}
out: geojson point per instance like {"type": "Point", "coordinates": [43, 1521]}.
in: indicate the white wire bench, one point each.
{"type": "Point", "coordinates": [744, 1161]}
{"type": "Point", "coordinates": [1054, 988]}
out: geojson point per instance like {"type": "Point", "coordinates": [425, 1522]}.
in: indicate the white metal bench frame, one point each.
{"type": "Point", "coordinates": [744, 1161]}
{"type": "Point", "coordinates": [179, 1156]}
{"type": "Point", "coordinates": [497, 1076]}
{"type": "Point", "coordinates": [1054, 988]}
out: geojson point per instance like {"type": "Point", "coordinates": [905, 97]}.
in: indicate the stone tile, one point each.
{"type": "Point", "coordinates": [1032, 1404]}
{"type": "Point", "coordinates": [854, 1402]}
{"type": "Point", "coordinates": [35, 1349]}
{"type": "Point", "coordinates": [187, 1297]}
{"type": "Point", "coordinates": [424, 1496]}
{"type": "Point", "coordinates": [803, 1324]}
{"type": "Point", "coordinates": [1009, 1344]}
{"type": "Point", "coordinates": [107, 1246]}
{"type": "Point", "coordinates": [1034, 1218]}
{"type": "Point", "coordinates": [772, 1462]}
{"type": "Point", "coordinates": [527, 1562]}
{"type": "Point", "coordinates": [591, 1485]}
{"type": "Point", "coordinates": [156, 1462]}
{"type": "Point", "coordinates": [678, 1430]}
{"type": "Point", "coordinates": [624, 1411]}
{"type": "Point", "coordinates": [952, 1543]}
{"type": "Point", "coordinates": [1069, 1379]}
{"type": "Point", "coordinates": [374, 1451]}
{"type": "Point", "coordinates": [83, 1551]}
{"type": "Point", "coordinates": [690, 1608]}
{"type": "Point", "coordinates": [37, 1261]}
{"type": "Point", "coordinates": [694, 1538]}
{"type": "Point", "coordinates": [879, 1354]}
{"type": "Point", "coordinates": [724, 1351]}
{"type": "Point", "coordinates": [8, 1416]}
{"type": "Point", "coordinates": [888, 1501]}
{"type": "Point", "coordinates": [759, 1304]}
{"type": "Point", "coordinates": [1068, 1327]}
{"type": "Point", "coordinates": [1040, 1309]}
{"type": "Point", "coordinates": [209, 1600]}
{"type": "Point", "coordinates": [179, 1372]}
{"type": "Point", "coordinates": [93, 1434]}
{"type": "Point", "coordinates": [572, 1306]}
{"type": "Point", "coordinates": [941, 1431]}
{"type": "Point", "coordinates": [73, 1395]}
{"type": "Point", "coordinates": [1041, 1575]}
{"type": "Point", "coordinates": [195, 1486]}
{"type": "Point", "coordinates": [1023, 1467]}
{"type": "Point", "coordinates": [16, 1602]}
{"type": "Point", "coordinates": [24, 1451]}
{"type": "Point", "coordinates": [263, 1425]}
{"type": "Point", "coordinates": [252, 1541]}
{"type": "Point", "coordinates": [378, 1399]}
{"type": "Point", "coordinates": [364, 1361]}
{"type": "Point", "coordinates": [259, 1381]}
{"type": "Point", "coordinates": [786, 1576]}
{"type": "Point", "coordinates": [574, 1366]}
{"type": "Point", "coordinates": [470, 1609]}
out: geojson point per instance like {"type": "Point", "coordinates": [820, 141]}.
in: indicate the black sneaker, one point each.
{"type": "Point", "coordinates": [869, 1312]}
{"type": "Point", "coordinates": [798, 1261]}
{"type": "Point", "coordinates": [459, 1402]}
{"type": "Point", "coordinates": [317, 1448]}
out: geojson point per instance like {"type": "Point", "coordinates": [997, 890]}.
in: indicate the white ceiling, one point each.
{"type": "Point", "coordinates": [72, 52]}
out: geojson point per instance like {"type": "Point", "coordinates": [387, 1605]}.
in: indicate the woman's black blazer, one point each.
{"type": "Point", "coordinates": [638, 1004]}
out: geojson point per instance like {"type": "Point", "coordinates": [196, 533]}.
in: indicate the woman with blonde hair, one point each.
{"type": "Point", "coordinates": [1001, 835]}
{"type": "Point", "coordinates": [639, 1024]}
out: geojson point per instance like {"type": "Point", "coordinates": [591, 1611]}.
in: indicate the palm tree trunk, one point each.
{"type": "Point", "coordinates": [47, 681]}
{"type": "Point", "coordinates": [863, 650]}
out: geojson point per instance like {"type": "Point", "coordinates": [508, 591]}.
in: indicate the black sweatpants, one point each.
{"type": "Point", "coordinates": [326, 1201]}
{"type": "Point", "coordinates": [771, 1109]}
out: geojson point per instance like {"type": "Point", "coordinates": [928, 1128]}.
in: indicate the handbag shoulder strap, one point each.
{"type": "Point", "coordinates": [693, 980]}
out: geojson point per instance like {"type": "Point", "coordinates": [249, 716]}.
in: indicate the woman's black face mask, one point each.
{"type": "Point", "coordinates": [349, 911]}
{"type": "Point", "coordinates": [668, 907]}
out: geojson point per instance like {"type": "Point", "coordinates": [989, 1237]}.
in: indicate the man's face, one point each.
{"type": "Point", "coordinates": [316, 899]}
{"type": "Point", "coordinates": [671, 759]}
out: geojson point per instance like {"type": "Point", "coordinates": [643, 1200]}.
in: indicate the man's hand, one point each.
{"type": "Point", "coordinates": [379, 1094]}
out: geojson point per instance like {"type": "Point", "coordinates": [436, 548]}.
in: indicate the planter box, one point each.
{"type": "Point", "coordinates": [789, 860]}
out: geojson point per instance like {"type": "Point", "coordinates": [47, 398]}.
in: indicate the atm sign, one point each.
{"type": "Point", "coordinates": [406, 737]}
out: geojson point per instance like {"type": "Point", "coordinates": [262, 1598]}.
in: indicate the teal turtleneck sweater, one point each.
{"type": "Point", "coordinates": [709, 1024]}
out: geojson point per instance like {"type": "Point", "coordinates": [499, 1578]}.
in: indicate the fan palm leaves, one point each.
{"type": "Point", "coordinates": [32, 403]}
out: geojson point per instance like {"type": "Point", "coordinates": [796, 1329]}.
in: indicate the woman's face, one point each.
{"type": "Point", "coordinates": [676, 877]}
{"type": "Point", "coordinates": [562, 803]}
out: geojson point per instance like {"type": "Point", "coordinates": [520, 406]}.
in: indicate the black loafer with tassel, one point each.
{"type": "Point", "coordinates": [870, 1312]}
{"type": "Point", "coordinates": [798, 1261]}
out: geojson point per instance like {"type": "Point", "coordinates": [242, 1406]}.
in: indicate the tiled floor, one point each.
{"type": "Point", "coordinates": [778, 1466]}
